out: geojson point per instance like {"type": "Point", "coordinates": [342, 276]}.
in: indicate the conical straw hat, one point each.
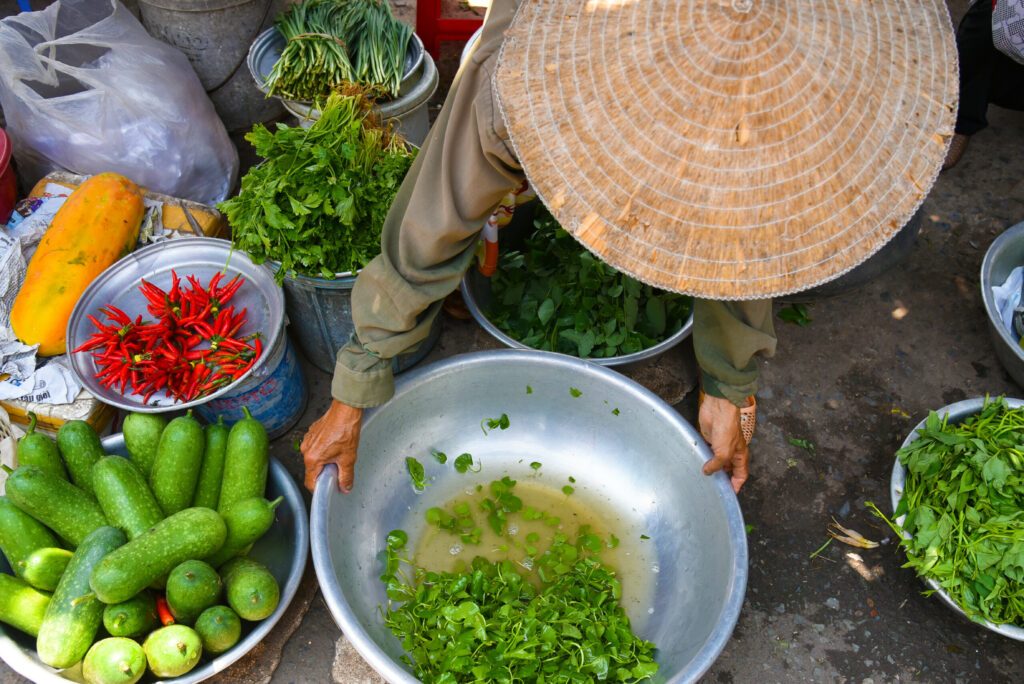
{"type": "Point", "coordinates": [730, 149]}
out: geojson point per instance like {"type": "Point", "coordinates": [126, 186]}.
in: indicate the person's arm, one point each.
{"type": "Point", "coordinates": [428, 240]}
{"type": "Point", "coordinates": [726, 338]}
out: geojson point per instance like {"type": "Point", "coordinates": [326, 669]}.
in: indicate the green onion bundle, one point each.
{"type": "Point", "coordinates": [334, 42]}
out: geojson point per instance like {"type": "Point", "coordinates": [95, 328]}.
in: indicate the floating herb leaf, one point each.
{"type": "Point", "coordinates": [439, 456]}
{"type": "Point", "coordinates": [615, 412]}
{"type": "Point", "coordinates": [536, 465]}
{"type": "Point", "coordinates": [416, 473]}
{"type": "Point", "coordinates": [529, 390]}
{"type": "Point", "coordinates": [644, 537]}
{"type": "Point", "coordinates": [567, 490]}
{"type": "Point", "coordinates": [501, 422]}
{"type": "Point", "coordinates": [464, 463]}
{"type": "Point", "coordinates": [575, 392]}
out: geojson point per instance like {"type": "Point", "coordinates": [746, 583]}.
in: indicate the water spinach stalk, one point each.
{"type": "Point", "coordinates": [964, 507]}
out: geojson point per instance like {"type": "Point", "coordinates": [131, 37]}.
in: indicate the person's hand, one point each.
{"type": "Point", "coordinates": [719, 422]}
{"type": "Point", "coordinates": [333, 439]}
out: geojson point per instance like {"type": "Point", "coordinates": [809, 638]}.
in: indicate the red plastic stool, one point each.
{"type": "Point", "coordinates": [433, 29]}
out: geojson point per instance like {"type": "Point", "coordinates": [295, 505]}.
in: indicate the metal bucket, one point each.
{"type": "Point", "coordinates": [1005, 254]}
{"type": "Point", "coordinates": [407, 111]}
{"type": "Point", "coordinates": [320, 311]}
{"type": "Point", "coordinates": [641, 466]}
{"type": "Point", "coordinates": [276, 395]}
{"type": "Point", "coordinates": [215, 35]}
{"type": "Point", "coordinates": [283, 549]}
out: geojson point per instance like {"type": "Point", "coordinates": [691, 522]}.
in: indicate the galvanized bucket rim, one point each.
{"type": "Point", "coordinates": [956, 412]}
{"type": "Point", "coordinates": [381, 662]}
{"type": "Point", "coordinates": [612, 361]}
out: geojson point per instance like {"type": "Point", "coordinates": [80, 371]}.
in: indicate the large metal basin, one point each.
{"type": "Point", "coordinates": [642, 467]}
{"type": "Point", "coordinates": [1005, 254]}
{"type": "Point", "coordinates": [957, 412]}
{"type": "Point", "coordinates": [283, 549]}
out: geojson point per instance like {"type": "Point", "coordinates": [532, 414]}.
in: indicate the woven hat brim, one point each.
{"type": "Point", "coordinates": [730, 149]}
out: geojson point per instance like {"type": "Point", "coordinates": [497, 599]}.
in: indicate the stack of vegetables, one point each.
{"type": "Point", "coordinates": [150, 547]}
{"type": "Point", "coordinates": [556, 296]}
{"type": "Point", "coordinates": [964, 505]}
{"type": "Point", "coordinates": [317, 203]}
{"type": "Point", "coordinates": [189, 351]}
{"type": "Point", "coordinates": [331, 43]}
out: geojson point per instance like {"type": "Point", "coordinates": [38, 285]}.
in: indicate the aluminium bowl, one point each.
{"type": "Point", "coordinates": [641, 466]}
{"type": "Point", "coordinates": [199, 256]}
{"type": "Point", "coordinates": [1004, 254]}
{"type": "Point", "coordinates": [957, 412]}
{"type": "Point", "coordinates": [472, 286]}
{"type": "Point", "coordinates": [283, 549]}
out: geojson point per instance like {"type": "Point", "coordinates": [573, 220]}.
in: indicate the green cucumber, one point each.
{"type": "Point", "coordinates": [219, 628]}
{"type": "Point", "coordinates": [131, 618]}
{"type": "Point", "coordinates": [212, 472]}
{"type": "Point", "coordinates": [21, 606]}
{"type": "Point", "coordinates": [20, 535]}
{"type": "Point", "coordinates": [141, 436]}
{"type": "Point", "coordinates": [38, 449]}
{"type": "Point", "coordinates": [114, 661]}
{"type": "Point", "coordinates": [247, 521]}
{"type": "Point", "coordinates": [192, 587]}
{"type": "Point", "coordinates": [191, 533]}
{"type": "Point", "coordinates": [252, 590]}
{"type": "Point", "coordinates": [179, 456]}
{"type": "Point", "coordinates": [44, 567]}
{"type": "Point", "coordinates": [124, 496]}
{"type": "Point", "coordinates": [245, 463]}
{"type": "Point", "coordinates": [81, 448]}
{"type": "Point", "coordinates": [74, 614]}
{"type": "Point", "coordinates": [58, 504]}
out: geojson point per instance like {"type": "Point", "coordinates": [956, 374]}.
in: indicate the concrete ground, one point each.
{"type": "Point", "coordinates": [853, 383]}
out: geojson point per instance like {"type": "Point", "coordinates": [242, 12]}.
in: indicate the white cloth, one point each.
{"type": "Point", "coordinates": [1007, 297]}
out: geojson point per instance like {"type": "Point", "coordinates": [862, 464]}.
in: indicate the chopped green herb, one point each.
{"type": "Point", "coordinates": [439, 456]}
{"type": "Point", "coordinates": [529, 390]}
{"type": "Point", "coordinates": [804, 444]}
{"type": "Point", "coordinates": [567, 490]}
{"type": "Point", "coordinates": [536, 465]}
{"type": "Point", "coordinates": [575, 392]}
{"type": "Point", "coordinates": [464, 463]}
{"type": "Point", "coordinates": [644, 536]}
{"type": "Point", "coordinates": [501, 422]}
{"type": "Point", "coordinates": [416, 473]}
{"type": "Point", "coordinates": [796, 314]}
{"type": "Point", "coordinates": [615, 412]}
{"type": "Point", "coordinates": [572, 479]}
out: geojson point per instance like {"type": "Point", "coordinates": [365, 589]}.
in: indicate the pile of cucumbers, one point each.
{"type": "Point", "coordinates": [151, 548]}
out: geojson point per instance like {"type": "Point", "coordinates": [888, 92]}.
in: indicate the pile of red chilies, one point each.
{"type": "Point", "coordinates": [191, 350]}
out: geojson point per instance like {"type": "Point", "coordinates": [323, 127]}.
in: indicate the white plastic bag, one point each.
{"type": "Point", "coordinates": [84, 88]}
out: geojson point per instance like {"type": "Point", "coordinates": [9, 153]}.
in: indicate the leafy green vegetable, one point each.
{"type": "Point", "coordinates": [964, 507]}
{"type": "Point", "coordinates": [334, 42]}
{"type": "Point", "coordinates": [502, 422]}
{"type": "Point", "coordinates": [464, 463]}
{"type": "Point", "coordinates": [529, 390]}
{"type": "Point", "coordinates": [575, 392]}
{"type": "Point", "coordinates": [644, 537]}
{"type": "Point", "coordinates": [439, 456]}
{"type": "Point", "coordinates": [615, 412]}
{"type": "Point", "coordinates": [318, 202]}
{"type": "Point", "coordinates": [796, 314]}
{"type": "Point", "coordinates": [804, 444]}
{"type": "Point", "coordinates": [567, 490]}
{"type": "Point", "coordinates": [487, 623]}
{"type": "Point", "coordinates": [555, 295]}
{"type": "Point", "coordinates": [536, 465]}
{"type": "Point", "coordinates": [416, 473]}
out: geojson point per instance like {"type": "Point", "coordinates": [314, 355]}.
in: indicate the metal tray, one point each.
{"type": "Point", "coordinates": [266, 50]}
{"type": "Point", "coordinates": [202, 257]}
{"type": "Point", "coordinates": [283, 550]}
{"type": "Point", "coordinates": [957, 412]}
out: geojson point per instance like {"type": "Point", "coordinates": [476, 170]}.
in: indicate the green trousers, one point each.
{"type": "Point", "coordinates": [463, 171]}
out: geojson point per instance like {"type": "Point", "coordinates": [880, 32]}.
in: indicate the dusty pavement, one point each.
{"type": "Point", "coordinates": [853, 382]}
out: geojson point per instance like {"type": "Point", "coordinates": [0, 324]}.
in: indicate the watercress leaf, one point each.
{"type": "Point", "coordinates": [545, 311]}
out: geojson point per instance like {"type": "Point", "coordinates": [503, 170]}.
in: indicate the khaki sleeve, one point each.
{"type": "Point", "coordinates": [429, 237]}
{"type": "Point", "coordinates": [726, 338]}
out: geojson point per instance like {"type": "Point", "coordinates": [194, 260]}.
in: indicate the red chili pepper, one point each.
{"type": "Point", "coordinates": [164, 611]}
